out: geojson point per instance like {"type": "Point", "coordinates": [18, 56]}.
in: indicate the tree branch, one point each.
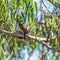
{"type": "Point", "coordinates": [20, 35]}
{"type": "Point", "coordinates": [1, 21]}
{"type": "Point", "coordinates": [13, 34]}
{"type": "Point", "coordinates": [28, 37]}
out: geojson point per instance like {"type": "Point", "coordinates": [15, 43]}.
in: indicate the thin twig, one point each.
{"type": "Point", "coordinates": [53, 15]}
{"type": "Point", "coordinates": [10, 56]}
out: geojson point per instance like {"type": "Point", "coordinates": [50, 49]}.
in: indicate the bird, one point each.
{"type": "Point", "coordinates": [23, 27]}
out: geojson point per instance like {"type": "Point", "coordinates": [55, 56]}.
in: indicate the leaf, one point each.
{"type": "Point", "coordinates": [1, 57]}
{"type": "Point", "coordinates": [36, 8]}
{"type": "Point", "coordinates": [54, 1]}
{"type": "Point", "coordinates": [0, 42]}
{"type": "Point", "coordinates": [3, 0]}
{"type": "Point", "coordinates": [53, 22]}
{"type": "Point", "coordinates": [59, 1]}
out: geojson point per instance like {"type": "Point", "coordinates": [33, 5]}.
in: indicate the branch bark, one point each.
{"type": "Point", "coordinates": [29, 37]}
{"type": "Point", "coordinates": [1, 21]}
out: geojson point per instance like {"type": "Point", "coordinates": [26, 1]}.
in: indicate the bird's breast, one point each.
{"type": "Point", "coordinates": [23, 28]}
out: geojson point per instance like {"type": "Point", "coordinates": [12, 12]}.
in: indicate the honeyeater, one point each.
{"type": "Point", "coordinates": [23, 27]}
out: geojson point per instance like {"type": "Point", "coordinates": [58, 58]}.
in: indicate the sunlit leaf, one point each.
{"type": "Point", "coordinates": [53, 22]}
{"type": "Point", "coordinates": [59, 1]}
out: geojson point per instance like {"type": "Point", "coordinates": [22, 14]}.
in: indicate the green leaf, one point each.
{"type": "Point", "coordinates": [36, 8]}
{"type": "Point", "coordinates": [59, 1]}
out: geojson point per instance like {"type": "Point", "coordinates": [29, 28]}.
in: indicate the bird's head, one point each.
{"type": "Point", "coordinates": [18, 21]}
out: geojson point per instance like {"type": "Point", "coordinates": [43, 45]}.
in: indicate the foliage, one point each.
{"type": "Point", "coordinates": [28, 11]}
